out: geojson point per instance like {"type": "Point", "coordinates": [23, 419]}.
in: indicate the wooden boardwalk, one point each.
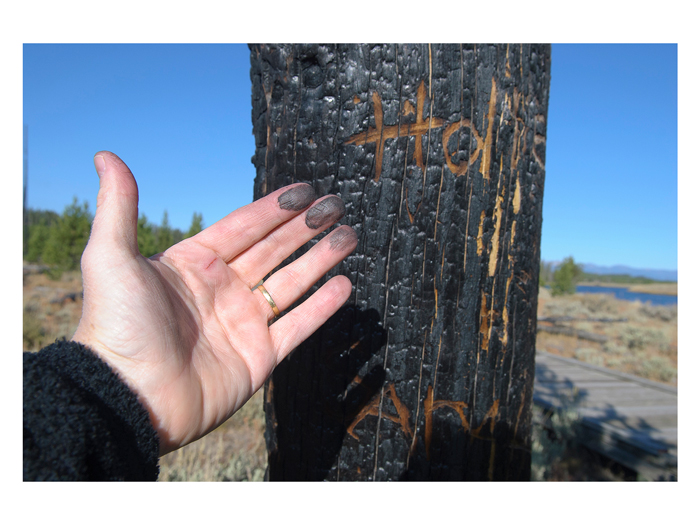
{"type": "Point", "coordinates": [628, 419]}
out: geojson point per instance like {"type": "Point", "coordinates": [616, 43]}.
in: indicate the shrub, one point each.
{"type": "Point", "coordinates": [613, 348]}
{"type": "Point", "coordinates": [600, 303]}
{"type": "Point", "coordinates": [571, 307]}
{"type": "Point", "coordinates": [664, 313]}
{"type": "Point", "coordinates": [638, 338]}
{"type": "Point", "coordinates": [589, 355]}
{"type": "Point", "coordinates": [552, 436]}
{"type": "Point", "coordinates": [658, 368]}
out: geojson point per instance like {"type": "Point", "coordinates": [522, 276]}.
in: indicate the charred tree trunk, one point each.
{"type": "Point", "coordinates": [438, 151]}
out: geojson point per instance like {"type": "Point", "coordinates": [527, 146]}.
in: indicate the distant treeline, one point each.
{"type": "Point", "coordinates": [58, 241]}
{"type": "Point", "coordinates": [617, 279]}
{"type": "Point", "coordinates": [563, 278]}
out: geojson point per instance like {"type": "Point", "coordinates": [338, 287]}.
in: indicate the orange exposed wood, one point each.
{"type": "Point", "coordinates": [488, 145]}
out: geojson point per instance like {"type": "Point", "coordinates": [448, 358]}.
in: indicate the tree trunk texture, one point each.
{"type": "Point", "coordinates": [438, 152]}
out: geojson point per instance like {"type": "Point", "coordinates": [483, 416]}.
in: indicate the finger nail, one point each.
{"type": "Point", "coordinates": [343, 238]}
{"type": "Point", "coordinates": [298, 198]}
{"type": "Point", "coordinates": [328, 211]}
{"type": "Point", "coordinates": [100, 166]}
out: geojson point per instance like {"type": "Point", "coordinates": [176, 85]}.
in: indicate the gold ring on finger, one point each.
{"type": "Point", "coordinates": [269, 300]}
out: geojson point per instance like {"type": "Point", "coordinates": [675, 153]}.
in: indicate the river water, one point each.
{"type": "Point", "coordinates": [626, 295]}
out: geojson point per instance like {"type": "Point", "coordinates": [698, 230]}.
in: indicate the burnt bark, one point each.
{"type": "Point", "coordinates": [438, 152]}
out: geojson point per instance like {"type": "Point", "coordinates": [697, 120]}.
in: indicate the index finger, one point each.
{"type": "Point", "coordinates": [245, 226]}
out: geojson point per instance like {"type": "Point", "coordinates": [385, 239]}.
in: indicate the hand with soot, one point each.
{"type": "Point", "coordinates": [187, 329]}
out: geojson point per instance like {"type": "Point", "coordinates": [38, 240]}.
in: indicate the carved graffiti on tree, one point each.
{"type": "Point", "coordinates": [379, 133]}
{"type": "Point", "coordinates": [430, 406]}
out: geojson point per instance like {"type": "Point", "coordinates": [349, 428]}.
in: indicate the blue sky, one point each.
{"type": "Point", "coordinates": [611, 188]}
{"type": "Point", "coordinates": [179, 116]}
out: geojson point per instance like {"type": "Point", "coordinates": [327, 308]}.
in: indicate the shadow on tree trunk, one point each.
{"type": "Point", "coordinates": [308, 419]}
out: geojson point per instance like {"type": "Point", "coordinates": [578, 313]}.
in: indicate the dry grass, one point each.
{"type": "Point", "coordinates": [656, 288]}
{"type": "Point", "coordinates": [645, 344]}
{"type": "Point", "coordinates": [52, 308]}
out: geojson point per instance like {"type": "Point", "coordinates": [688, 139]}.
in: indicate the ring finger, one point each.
{"type": "Point", "coordinates": [288, 284]}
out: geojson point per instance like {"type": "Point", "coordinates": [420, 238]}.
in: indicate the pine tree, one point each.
{"type": "Point", "coordinates": [38, 235]}
{"type": "Point", "coordinates": [565, 277]}
{"type": "Point", "coordinates": [67, 238]}
{"type": "Point", "coordinates": [146, 237]}
{"type": "Point", "coordinates": [164, 235]}
{"type": "Point", "coordinates": [37, 225]}
{"type": "Point", "coordinates": [196, 226]}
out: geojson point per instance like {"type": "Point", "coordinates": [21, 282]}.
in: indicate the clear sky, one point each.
{"type": "Point", "coordinates": [180, 117]}
{"type": "Point", "coordinates": [611, 188]}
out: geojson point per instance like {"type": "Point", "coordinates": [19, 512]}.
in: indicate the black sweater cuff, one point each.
{"type": "Point", "coordinates": [81, 421]}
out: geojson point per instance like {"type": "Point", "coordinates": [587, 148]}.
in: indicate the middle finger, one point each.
{"type": "Point", "coordinates": [263, 257]}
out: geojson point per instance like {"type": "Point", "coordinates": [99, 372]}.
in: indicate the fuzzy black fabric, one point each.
{"type": "Point", "coordinates": [81, 421]}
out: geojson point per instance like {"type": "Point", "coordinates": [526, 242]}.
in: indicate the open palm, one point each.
{"type": "Point", "coordinates": [187, 329]}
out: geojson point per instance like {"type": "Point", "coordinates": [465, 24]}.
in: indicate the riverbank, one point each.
{"type": "Point", "coordinates": [652, 288]}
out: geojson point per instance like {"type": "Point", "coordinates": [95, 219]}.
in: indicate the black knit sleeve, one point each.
{"type": "Point", "coordinates": [81, 422]}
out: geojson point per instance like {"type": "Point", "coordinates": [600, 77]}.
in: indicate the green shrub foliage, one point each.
{"type": "Point", "coordinates": [567, 274]}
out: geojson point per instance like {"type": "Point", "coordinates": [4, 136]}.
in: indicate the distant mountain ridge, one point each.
{"type": "Point", "coordinates": [618, 269]}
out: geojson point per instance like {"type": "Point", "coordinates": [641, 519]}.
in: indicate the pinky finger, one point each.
{"type": "Point", "coordinates": [296, 326]}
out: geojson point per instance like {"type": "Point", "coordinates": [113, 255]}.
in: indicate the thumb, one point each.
{"type": "Point", "coordinates": [116, 216]}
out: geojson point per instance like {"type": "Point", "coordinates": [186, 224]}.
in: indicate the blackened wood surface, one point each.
{"type": "Point", "coordinates": [438, 152]}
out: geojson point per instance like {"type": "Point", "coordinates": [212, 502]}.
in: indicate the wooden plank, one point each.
{"type": "Point", "coordinates": [628, 396]}
{"type": "Point", "coordinates": [655, 439]}
{"type": "Point", "coordinates": [652, 407]}
{"type": "Point", "coordinates": [608, 397]}
{"type": "Point", "coordinates": [628, 419]}
{"type": "Point", "coordinates": [650, 465]}
{"type": "Point", "coordinates": [560, 376]}
{"type": "Point", "coordinates": [553, 361]}
{"type": "Point", "coordinates": [646, 425]}
{"type": "Point", "coordinates": [635, 411]}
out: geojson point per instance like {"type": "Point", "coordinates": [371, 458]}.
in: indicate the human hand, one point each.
{"type": "Point", "coordinates": [183, 328]}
